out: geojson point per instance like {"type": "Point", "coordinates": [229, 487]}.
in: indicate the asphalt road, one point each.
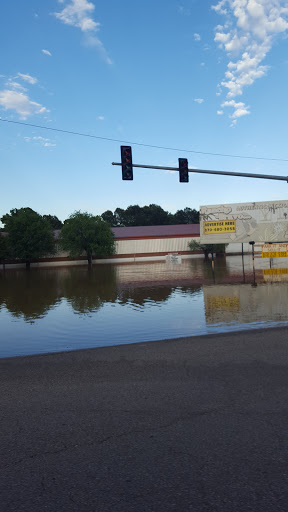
{"type": "Point", "coordinates": [196, 424]}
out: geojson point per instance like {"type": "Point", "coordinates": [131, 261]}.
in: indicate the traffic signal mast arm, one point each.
{"type": "Point", "coordinates": [202, 171]}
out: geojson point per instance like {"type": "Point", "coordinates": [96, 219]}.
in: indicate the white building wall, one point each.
{"type": "Point", "coordinates": [247, 248]}
{"type": "Point", "coordinates": [153, 245]}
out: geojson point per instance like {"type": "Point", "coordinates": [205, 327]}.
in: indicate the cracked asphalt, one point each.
{"type": "Point", "coordinates": [194, 424]}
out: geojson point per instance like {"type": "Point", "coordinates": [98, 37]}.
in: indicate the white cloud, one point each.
{"type": "Point", "coordinates": [11, 84]}
{"type": "Point", "coordinates": [197, 37]}
{"type": "Point", "coordinates": [28, 78]}
{"type": "Point", "coordinates": [220, 112]}
{"type": "Point", "coordinates": [20, 103]}
{"type": "Point", "coordinates": [101, 118]}
{"type": "Point", "coordinates": [199, 100]}
{"type": "Point", "coordinates": [47, 143]}
{"type": "Point", "coordinates": [240, 109]}
{"type": "Point", "coordinates": [44, 142]}
{"type": "Point", "coordinates": [219, 7]}
{"type": "Point", "coordinates": [92, 40]}
{"type": "Point", "coordinates": [79, 14]}
{"type": "Point", "coordinates": [46, 52]}
{"type": "Point", "coordinates": [247, 35]}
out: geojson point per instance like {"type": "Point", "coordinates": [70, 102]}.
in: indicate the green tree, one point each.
{"type": "Point", "coordinates": [154, 215]}
{"type": "Point", "coordinates": [207, 248]}
{"type": "Point", "coordinates": [53, 221]}
{"type": "Point", "coordinates": [186, 216]}
{"type": "Point", "coordinates": [133, 216]}
{"type": "Point", "coordinates": [4, 248]}
{"type": "Point", "coordinates": [119, 215]}
{"type": "Point", "coordinates": [30, 236]}
{"type": "Point", "coordinates": [109, 217]}
{"type": "Point", "coordinates": [84, 232]}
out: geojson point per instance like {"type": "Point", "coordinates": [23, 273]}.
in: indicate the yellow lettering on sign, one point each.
{"type": "Point", "coordinates": [274, 271]}
{"type": "Point", "coordinates": [220, 226]}
{"type": "Point", "coordinates": [278, 250]}
{"type": "Point", "coordinates": [281, 254]}
{"type": "Point", "coordinates": [225, 303]}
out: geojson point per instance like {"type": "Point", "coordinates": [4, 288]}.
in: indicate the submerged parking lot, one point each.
{"type": "Point", "coordinates": [58, 309]}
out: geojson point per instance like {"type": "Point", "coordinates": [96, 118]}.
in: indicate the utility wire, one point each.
{"type": "Point", "coordinates": [142, 144]}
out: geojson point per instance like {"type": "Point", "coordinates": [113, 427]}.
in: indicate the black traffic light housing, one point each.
{"type": "Point", "coordinates": [126, 161]}
{"type": "Point", "coordinates": [183, 170]}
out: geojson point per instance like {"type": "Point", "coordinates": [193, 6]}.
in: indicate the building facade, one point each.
{"type": "Point", "coordinates": [133, 244]}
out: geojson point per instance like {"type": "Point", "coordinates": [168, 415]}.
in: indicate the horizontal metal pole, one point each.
{"type": "Point", "coordinates": [225, 173]}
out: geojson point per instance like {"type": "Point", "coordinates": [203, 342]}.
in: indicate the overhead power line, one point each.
{"type": "Point", "coordinates": [154, 146]}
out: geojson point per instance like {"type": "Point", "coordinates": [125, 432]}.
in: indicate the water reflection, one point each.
{"type": "Point", "coordinates": [87, 290]}
{"type": "Point", "coordinates": [29, 295]}
{"type": "Point", "coordinates": [67, 308]}
{"type": "Point", "coordinates": [240, 304]}
{"type": "Point", "coordinates": [151, 296]}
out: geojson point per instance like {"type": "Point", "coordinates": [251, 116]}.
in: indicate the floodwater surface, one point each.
{"type": "Point", "coordinates": [58, 309]}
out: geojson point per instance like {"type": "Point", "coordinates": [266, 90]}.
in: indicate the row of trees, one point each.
{"type": "Point", "coordinates": [29, 235]}
{"type": "Point", "coordinates": [135, 215]}
{"type": "Point", "coordinates": [152, 215]}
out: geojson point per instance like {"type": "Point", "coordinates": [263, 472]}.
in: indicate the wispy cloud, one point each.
{"type": "Point", "coordinates": [79, 14]}
{"type": "Point", "coordinates": [197, 37]}
{"type": "Point", "coordinates": [15, 97]}
{"type": "Point", "coordinates": [247, 35]}
{"type": "Point", "coordinates": [183, 10]}
{"type": "Point", "coordinates": [46, 52]}
{"type": "Point", "coordinates": [46, 143]}
{"type": "Point", "coordinates": [12, 84]}
{"type": "Point", "coordinates": [28, 78]}
{"type": "Point", "coordinates": [20, 103]}
{"type": "Point", "coordinates": [199, 100]}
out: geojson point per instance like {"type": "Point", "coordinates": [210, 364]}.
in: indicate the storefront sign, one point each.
{"type": "Point", "coordinates": [220, 226]}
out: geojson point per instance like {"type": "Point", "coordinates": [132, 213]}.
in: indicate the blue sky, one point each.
{"type": "Point", "coordinates": [203, 76]}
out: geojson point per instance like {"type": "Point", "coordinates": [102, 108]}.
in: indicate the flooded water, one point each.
{"type": "Point", "coordinates": [56, 309]}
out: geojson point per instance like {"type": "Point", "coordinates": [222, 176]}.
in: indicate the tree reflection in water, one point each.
{"type": "Point", "coordinates": [87, 290]}
{"type": "Point", "coordinates": [29, 295]}
{"type": "Point", "coordinates": [143, 295]}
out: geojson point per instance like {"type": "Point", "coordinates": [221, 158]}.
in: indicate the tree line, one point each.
{"type": "Point", "coordinates": [135, 215]}
{"type": "Point", "coordinates": [152, 215]}
{"type": "Point", "coordinates": [28, 235]}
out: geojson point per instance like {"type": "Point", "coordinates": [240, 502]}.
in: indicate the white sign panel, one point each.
{"type": "Point", "coordinates": [244, 222]}
{"type": "Point", "coordinates": [275, 251]}
{"type": "Point", "coordinates": [173, 259]}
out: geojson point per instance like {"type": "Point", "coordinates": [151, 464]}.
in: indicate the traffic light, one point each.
{"type": "Point", "coordinates": [183, 170]}
{"type": "Point", "coordinates": [126, 161]}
